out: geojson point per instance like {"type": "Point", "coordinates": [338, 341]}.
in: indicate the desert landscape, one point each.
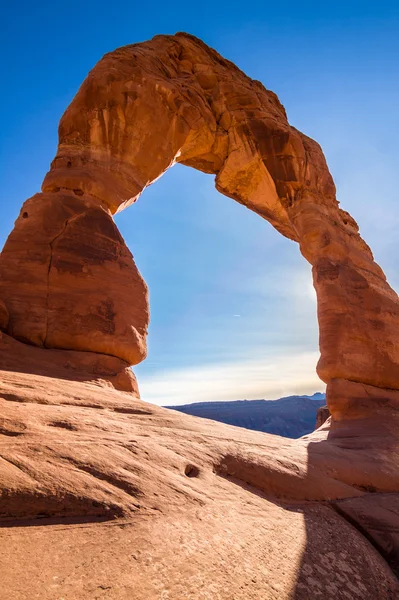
{"type": "Point", "coordinates": [103, 495]}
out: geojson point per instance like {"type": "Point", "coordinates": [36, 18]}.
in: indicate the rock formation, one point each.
{"type": "Point", "coordinates": [69, 282]}
{"type": "Point", "coordinates": [323, 414]}
{"type": "Point", "coordinates": [75, 441]}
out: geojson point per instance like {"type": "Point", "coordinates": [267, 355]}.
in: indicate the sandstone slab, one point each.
{"type": "Point", "coordinates": [106, 496]}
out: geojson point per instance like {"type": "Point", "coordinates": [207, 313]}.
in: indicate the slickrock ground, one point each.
{"type": "Point", "coordinates": [105, 496]}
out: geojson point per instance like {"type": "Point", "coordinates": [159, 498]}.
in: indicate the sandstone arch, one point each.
{"type": "Point", "coordinates": [68, 280]}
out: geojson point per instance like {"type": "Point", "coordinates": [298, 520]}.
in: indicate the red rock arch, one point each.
{"type": "Point", "coordinates": [68, 280]}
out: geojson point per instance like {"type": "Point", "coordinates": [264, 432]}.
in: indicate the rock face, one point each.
{"type": "Point", "coordinates": [67, 365]}
{"type": "Point", "coordinates": [69, 282]}
{"type": "Point", "coordinates": [203, 510]}
{"type": "Point", "coordinates": [323, 414]}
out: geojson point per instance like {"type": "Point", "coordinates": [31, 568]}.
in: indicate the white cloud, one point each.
{"type": "Point", "coordinates": [268, 377]}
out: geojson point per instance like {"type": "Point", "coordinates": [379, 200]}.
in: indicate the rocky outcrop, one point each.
{"type": "Point", "coordinates": [69, 282]}
{"type": "Point", "coordinates": [203, 509]}
{"type": "Point", "coordinates": [323, 414]}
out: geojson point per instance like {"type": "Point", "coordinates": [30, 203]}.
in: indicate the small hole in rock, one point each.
{"type": "Point", "coordinates": [191, 471]}
{"type": "Point", "coordinates": [78, 192]}
{"type": "Point", "coordinates": [64, 425]}
{"type": "Point", "coordinates": [24, 215]}
{"type": "Point", "coordinates": [69, 164]}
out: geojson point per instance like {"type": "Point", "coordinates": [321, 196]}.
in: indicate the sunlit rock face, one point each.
{"type": "Point", "coordinates": [208, 510]}
{"type": "Point", "coordinates": [69, 282]}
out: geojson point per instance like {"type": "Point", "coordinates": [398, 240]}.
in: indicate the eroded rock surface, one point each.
{"type": "Point", "coordinates": [69, 282]}
{"type": "Point", "coordinates": [65, 276]}
{"type": "Point", "coordinates": [323, 413]}
{"type": "Point", "coordinates": [104, 496]}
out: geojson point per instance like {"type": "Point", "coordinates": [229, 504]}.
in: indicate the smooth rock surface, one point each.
{"type": "Point", "coordinates": [105, 496]}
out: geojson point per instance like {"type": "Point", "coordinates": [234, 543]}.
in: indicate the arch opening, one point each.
{"type": "Point", "coordinates": [233, 311]}
{"type": "Point", "coordinates": [68, 281]}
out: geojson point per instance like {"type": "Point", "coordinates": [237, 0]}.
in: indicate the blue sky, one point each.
{"type": "Point", "coordinates": [233, 308]}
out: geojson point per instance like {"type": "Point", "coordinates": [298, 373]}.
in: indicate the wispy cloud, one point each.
{"type": "Point", "coordinates": [268, 377]}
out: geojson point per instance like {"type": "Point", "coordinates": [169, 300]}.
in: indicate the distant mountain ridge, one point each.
{"type": "Point", "coordinates": [292, 416]}
{"type": "Point", "coordinates": [315, 396]}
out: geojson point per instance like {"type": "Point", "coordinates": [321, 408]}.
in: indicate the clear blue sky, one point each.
{"type": "Point", "coordinates": [233, 310]}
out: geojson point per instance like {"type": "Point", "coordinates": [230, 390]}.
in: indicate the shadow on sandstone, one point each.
{"type": "Point", "coordinates": [342, 484]}
{"type": "Point", "coordinates": [362, 526]}
{"type": "Point", "coordinates": [68, 365]}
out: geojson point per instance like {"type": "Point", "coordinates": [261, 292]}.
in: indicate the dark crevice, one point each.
{"type": "Point", "coordinates": [112, 479]}
{"type": "Point", "coordinates": [43, 519]}
{"type": "Point", "coordinates": [13, 398]}
{"type": "Point", "coordinates": [10, 433]}
{"type": "Point", "coordinates": [63, 425]}
{"type": "Point", "coordinates": [82, 405]}
{"type": "Point", "coordinates": [131, 411]}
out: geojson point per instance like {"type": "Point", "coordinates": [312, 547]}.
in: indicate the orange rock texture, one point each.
{"type": "Point", "coordinates": [68, 280]}
{"type": "Point", "coordinates": [105, 496]}
{"type": "Point", "coordinates": [136, 501]}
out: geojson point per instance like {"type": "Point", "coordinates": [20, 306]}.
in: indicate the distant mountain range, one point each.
{"type": "Point", "coordinates": [290, 417]}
